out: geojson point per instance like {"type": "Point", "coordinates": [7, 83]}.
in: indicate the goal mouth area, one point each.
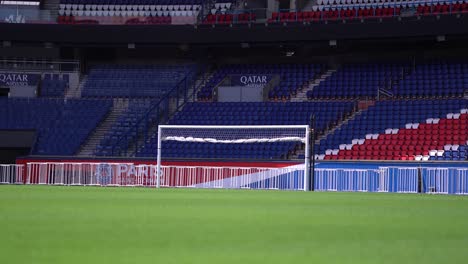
{"type": "Point", "coordinates": [289, 177]}
{"type": "Point", "coordinates": [283, 144]}
{"type": "Point", "coordinates": [226, 143]}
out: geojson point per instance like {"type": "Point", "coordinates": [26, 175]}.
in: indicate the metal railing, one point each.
{"type": "Point", "coordinates": [158, 113]}
{"type": "Point", "coordinates": [40, 65]}
{"type": "Point", "coordinates": [430, 180]}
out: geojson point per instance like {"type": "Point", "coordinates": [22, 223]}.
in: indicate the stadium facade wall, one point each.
{"type": "Point", "coordinates": [424, 27]}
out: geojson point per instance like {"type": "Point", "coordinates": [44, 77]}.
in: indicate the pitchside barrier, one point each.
{"type": "Point", "coordinates": [128, 174]}
{"type": "Point", "coordinates": [444, 180]}
{"type": "Point", "coordinates": [11, 174]}
{"type": "Point", "coordinates": [384, 179]}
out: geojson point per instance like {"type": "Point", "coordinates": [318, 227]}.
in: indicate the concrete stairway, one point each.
{"type": "Point", "coordinates": [302, 95]}
{"type": "Point", "coordinates": [361, 107]}
{"type": "Point", "coordinates": [75, 92]}
{"type": "Point", "coordinates": [119, 106]}
{"type": "Point", "coordinates": [198, 84]}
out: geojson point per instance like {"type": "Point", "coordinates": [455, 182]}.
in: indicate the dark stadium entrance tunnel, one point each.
{"type": "Point", "coordinates": [15, 143]}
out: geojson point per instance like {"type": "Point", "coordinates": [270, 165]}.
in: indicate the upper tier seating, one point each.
{"type": "Point", "coordinates": [130, 12]}
{"type": "Point", "coordinates": [222, 6]}
{"type": "Point", "coordinates": [223, 12]}
{"type": "Point", "coordinates": [293, 77]}
{"type": "Point", "coordinates": [327, 113]}
{"type": "Point", "coordinates": [399, 130]}
{"type": "Point", "coordinates": [229, 18]}
{"type": "Point", "coordinates": [436, 79]}
{"type": "Point", "coordinates": [357, 9]}
{"type": "Point", "coordinates": [136, 81]}
{"type": "Point", "coordinates": [62, 126]}
{"type": "Point", "coordinates": [358, 81]}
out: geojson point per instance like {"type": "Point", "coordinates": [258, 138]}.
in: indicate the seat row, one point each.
{"type": "Point", "coordinates": [127, 13]}
{"type": "Point", "coordinates": [338, 3]}
{"type": "Point", "coordinates": [133, 7]}
{"type": "Point", "coordinates": [371, 11]}
{"type": "Point", "coordinates": [229, 18]}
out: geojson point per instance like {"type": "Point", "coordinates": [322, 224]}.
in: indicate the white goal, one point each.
{"type": "Point", "coordinates": [257, 157]}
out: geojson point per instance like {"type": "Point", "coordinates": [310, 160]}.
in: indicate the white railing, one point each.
{"type": "Point", "coordinates": [129, 174]}
{"type": "Point", "coordinates": [12, 174]}
{"type": "Point", "coordinates": [434, 180]}
{"type": "Point", "coordinates": [286, 178]}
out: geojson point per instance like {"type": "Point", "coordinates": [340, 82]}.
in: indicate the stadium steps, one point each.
{"type": "Point", "coordinates": [119, 106]}
{"type": "Point", "coordinates": [353, 115]}
{"type": "Point", "coordinates": [53, 6]}
{"type": "Point", "coordinates": [302, 95]}
{"type": "Point", "coordinates": [76, 92]}
{"type": "Point", "coordinates": [202, 81]}
{"type": "Point", "coordinates": [197, 85]}
{"type": "Point", "coordinates": [362, 107]}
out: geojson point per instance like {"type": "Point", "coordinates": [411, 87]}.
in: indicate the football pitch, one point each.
{"type": "Point", "coordinates": [41, 224]}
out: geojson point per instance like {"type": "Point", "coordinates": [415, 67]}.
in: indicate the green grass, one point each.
{"type": "Point", "coordinates": [134, 225]}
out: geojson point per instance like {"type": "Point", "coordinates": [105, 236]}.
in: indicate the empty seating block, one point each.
{"type": "Point", "coordinates": [357, 81]}
{"type": "Point", "coordinates": [401, 129]}
{"type": "Point", "coordinates": [54, 85]}
{"type": "Point", "coordinates": [440, 79]}
{"type": "Point", "coordinates": [293, 77]}
{"type": "Point", "coordinates": [136, 81]}
{"type": "Point", "coordinates": [222, 12]}
{"type": "Point", "coordinates": [122, 133]}
{"type": "Point", "coordinates": [270, 113]}
{"type": "Point", "coordinates": [62, 126]}
{"type": "Point", "coordinates": [129, 12]}
{"type": "Point", "coordinates": [358, 9]}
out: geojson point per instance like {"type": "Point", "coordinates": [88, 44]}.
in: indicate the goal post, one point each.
{"type": "Point", "coordinates": [227, 140]}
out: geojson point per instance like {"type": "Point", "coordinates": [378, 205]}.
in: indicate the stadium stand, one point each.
{"type": "Point", "coordinates": [130, 12]}
{"type": "Point", "coordinates": [252, 113]}
{"type": "Point", "coordinates": [62, 125]}
{"type": "Point", "coordinates": [144, 86]}
{"type": "Point", "coordinates": [293, 77]}
{"type": "Point", "coordinates": [358, 81]}
{"type": "Point", "coordinates": [54, 85]}
{"type": "Point", "coordinates": [440, 79]}
{"type": "Point", "coordinates": [358, 9]}
{"type": "Point", "coordinates": [224, 12]}
{"type": "Point", "coordinates": [136, 81]}
{"type": "Point", "coordinates": [126, 121]}
{"type": "Point", "coordinates": [401, 130]}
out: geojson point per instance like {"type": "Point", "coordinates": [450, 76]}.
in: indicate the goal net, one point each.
{"type": "Point", "coordinates": [257, 157]}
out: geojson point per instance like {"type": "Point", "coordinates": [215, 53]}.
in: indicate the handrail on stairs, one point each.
{"type": "Point", "coordinates": [157, 112]}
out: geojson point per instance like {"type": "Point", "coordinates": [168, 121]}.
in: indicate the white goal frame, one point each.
{"type": "Point", "coordinates": [305, 140]}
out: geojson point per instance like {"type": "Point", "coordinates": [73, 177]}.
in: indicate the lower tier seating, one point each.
{"type": "Point", "coordinates": [61, 125]}
{"type": "Point", "coordinates": [402, 130]}
{"type": "Point", "coordinates": [122, 133]}
{"type": "Point", "coordinates": [326, 113]}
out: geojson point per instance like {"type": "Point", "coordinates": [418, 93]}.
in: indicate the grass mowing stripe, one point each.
{"type": "Point", "coordinates": [42, 224]}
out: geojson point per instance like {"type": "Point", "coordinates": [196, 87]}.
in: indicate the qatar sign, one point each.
{"type": "Point", "coordinates": [250, 79]}
{"type": "Point", "coordinates": [18, 79]}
